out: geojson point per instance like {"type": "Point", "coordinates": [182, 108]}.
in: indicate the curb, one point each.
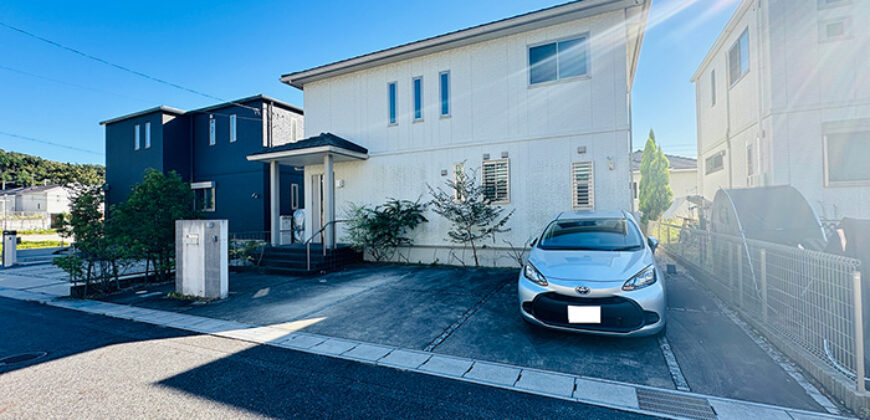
{"type": "Point", "coordinates": [635, 398]}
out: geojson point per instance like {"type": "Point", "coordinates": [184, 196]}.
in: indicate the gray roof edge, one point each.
{"type": "Point", "coordinates": [252, 98]}
{"type": "Point", "coordinates": [163, 109]}
{"type": "Point", "coordinates": [299, 78]}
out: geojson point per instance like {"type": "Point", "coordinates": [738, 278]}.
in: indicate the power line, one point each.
{"type": "Point", "coordinates": [62, 82]}
{"type": "Point", "coordinates": [50, 143]}
{"type": "Point", "coordinates": [124, 68]}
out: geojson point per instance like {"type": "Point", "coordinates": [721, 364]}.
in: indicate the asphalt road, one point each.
{"type": "Point", "coordinates": [99, 367]}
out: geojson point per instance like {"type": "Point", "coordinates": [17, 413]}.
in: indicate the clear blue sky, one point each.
{"type": "Point", "coordinates": [232, 49]}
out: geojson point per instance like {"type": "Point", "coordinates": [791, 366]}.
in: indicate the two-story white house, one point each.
{"type": "Point", "coordinates": [783, 98]}
{"type": "Point", "coordinates": [538, 105]}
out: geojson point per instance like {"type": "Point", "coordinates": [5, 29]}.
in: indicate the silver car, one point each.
{"type": "Point", "coordinates": [594, 272]}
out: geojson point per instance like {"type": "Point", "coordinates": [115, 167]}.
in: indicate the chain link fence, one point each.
{"type": "Point", "coordinates": [808, 299]}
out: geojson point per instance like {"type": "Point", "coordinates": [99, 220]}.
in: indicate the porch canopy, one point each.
{"type": "Point", "coordinates": [325, 149]}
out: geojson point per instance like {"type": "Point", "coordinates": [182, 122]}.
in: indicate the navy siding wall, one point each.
{"type": "Point", "coordinates": [176, 146]}
{"type": "Point", "coordinates": [126, 166]}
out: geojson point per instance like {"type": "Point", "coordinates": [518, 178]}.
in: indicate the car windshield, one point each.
{"type": "Point", "coordinates": [593, 235]}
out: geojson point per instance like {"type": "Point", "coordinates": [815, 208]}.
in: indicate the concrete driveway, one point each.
{"type": "Point", "coordinates": [472, 313]}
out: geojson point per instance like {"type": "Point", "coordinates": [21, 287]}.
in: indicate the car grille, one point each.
{"type": "Point", "coordinates": [618, 314]}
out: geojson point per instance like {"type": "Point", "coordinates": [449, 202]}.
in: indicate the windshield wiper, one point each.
{"type": "Point", "coordinates": [628, 248]}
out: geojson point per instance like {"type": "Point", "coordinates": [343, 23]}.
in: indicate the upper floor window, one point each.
{"type": "Point", "coordinates": [444, 88]}
{"type": "Point", "coordinates": [712, 87]}
{"type": "Point", "coordinates": [418, 98]}
{"type": "Point", "coordinates": [392, 92]}
{"type": "Point", "coordinates": [558, 60]}
{"type": "Point", "coordinates": [835, 29]}
{"type": "Point", "coordinates": [583, 188]}
{"type": "Point", "coordinates": [714, 163]}
{"type": "Point", "coordinates": [136, 138]}
{"type": "Point", "coordinates": [293, 131]}
{"type": "Point", "coordinates": [211, 131]}
{"type": "Point", "coordinates": [846, 157]}
{"type": "Point", "coordinates": [496, 181]}
{"type": "Point", "coordinates": [825, 4]}
{"type": "Point", "coordinates": [148, 135]}
{"type": "Point", "coordinates": [233, 137]}
{"type": "Point", "coordinates": [738, 58]}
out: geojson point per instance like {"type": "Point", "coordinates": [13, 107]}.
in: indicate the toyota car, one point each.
{"type": "Point", "coordinates": [594, 272]}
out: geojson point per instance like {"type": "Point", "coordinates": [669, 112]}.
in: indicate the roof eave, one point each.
{"type": "Point", "coordinates": [720, 40]}
{"type": "Point", "coordinates": [473, 35]}
{"type": "Point", "coordinates": [162, 108]}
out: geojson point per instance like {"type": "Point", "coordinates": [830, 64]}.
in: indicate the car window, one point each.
{"type": "Point", "coordinates": [592, 234]}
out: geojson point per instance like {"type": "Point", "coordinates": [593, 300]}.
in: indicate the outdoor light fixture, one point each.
{"type": "Point", "coordinates": [339, 183]}
{"type": "Point", "coordinates": [444, 172]}
{"type": "Point", "coordinates": [581, 150]}
{"type": "Point", "coordinates": [486, 156]}
{"type": "Point", "coordinates": [504, 155]}
{"type": "Point", "coordinates": [610, 163]}
{"type": "Point", "coordinates": [255, 196]}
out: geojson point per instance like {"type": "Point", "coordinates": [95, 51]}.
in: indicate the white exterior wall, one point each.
{"type": "Point", "coordinates": [807, 82]}
{"type": "Point", "coordinates": [494, 111]}
{"type": "Point", "coordinates": [683, 182]}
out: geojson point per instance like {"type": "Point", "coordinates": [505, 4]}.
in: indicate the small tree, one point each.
{"type": "Point", "coordinates": [146, 221]}
{"type": "Point", "coordinates": [472, 215]}
{"type": "Point", "coordinates": [382, 229]}
{"type": "Point", "coordinates": [655, 194]}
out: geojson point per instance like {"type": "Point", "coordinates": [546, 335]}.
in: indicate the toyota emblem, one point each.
{"type": "Point", "coordinates": [582, 290]}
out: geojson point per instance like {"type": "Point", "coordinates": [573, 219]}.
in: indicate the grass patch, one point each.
{"type": "Point", "coordinates": [189, 298]}
{"type": "Point", "coordinates": [39, 244]}
{"type": "Point", "coordinates": [38, 232]}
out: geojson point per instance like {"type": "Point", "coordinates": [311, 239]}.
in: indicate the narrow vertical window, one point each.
{"type": "Point", "coordinates": [418, 98]}
{"type": "Point", "coordinates": [713, 87]}
{"type": "Point", "coordinates": [444, 78]}
{"type": "Point", "coordinates": [294, 196]}
{"type": "Point", "coordinates": [233, 137]}
{"type": "Point", "coordinates": [148, 135]}
{"type": "Point", "coordinates": [293, 131]}
{"type": "Point", "coordinates": [583, 187]}
{"type": "Point", "coordinates": [211, 131]}
{"type": "Point", "coordinates": [458, 178]}
{"type": "Point", "coordinates": [136, 139]}
{"type": "Point", "coordinates": [391, 94]}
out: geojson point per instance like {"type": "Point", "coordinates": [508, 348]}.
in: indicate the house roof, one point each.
{"type": "Point", "coordinates": [28, 190]}
{"type": "Point", "coordinates": [161, 108]}
{"type": "Point", "coordinates": [176, 111]}
{"type": "Point", "coordinates": [550, 16]}
{"type": "Point", "coordinates": [676, 162]}
{"type": "Point", "coordinates": [322, 139]}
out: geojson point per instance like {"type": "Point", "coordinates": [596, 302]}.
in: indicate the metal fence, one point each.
{"type": "Point", "coordinates": [805, 298]}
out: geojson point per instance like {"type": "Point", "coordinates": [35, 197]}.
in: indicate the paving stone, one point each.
{"type": "Point", "coordinates": [450, 366]}
{"type": "Point", "coordinates": [599, 391]}
{"type": "Point", "coordinates": [405, 359]}
{"type": "Point", "coordinates": [334, 346]}
{"type": "Point", "coordinates": [368, 352]}
{"type": "Point", "coordinates": [300, 341]}
{"type": "Point", "coordinates": [493, 373]}
{"type": "Point", "coordinates": [257, 334]}
{"type": "Point", "coordinates": [546, 382]}
{"type": "Point", "coordinates": [733, 410]}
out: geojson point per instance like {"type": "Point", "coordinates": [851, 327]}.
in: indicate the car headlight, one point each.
{"type": "Point", "coordinates": [646, 277]}
{"type": "Point", "coordinates": [532, 273]}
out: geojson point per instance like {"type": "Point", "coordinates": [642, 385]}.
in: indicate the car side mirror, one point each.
{"type": "Point", "coordinates": [653, 243]}
{"type": "Point", "coordinates": [532, 244]}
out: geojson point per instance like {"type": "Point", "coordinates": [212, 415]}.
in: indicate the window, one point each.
{"type": "Point", "coordinates": [418, 98]}
{"type": "Point", "coordinates": [582, 186]}
{"type": "Point", "coordinates": [496, 181]}
{"type": "Point", "coordinates": [294, 196]}
{"type": "Point", "coordinates": [558, 60]}
{"type": "Point", "coordinates": [634, 190]}
{"type": "Point", "coordinates": [211, 131]}
{"type": "Point", "coordinates": [836, 29]}
{"type": "Point", "coordinates": [204, 199]}
{"type": "Point", "coordinates": [148, 135]}
{"type": "Point", "coordinates": [738, 58]}
{"type": "Point", "coordinates": [136, 137]}
{"type": "Point", "coordinates": [846, 157]}
{"type": "Point", "coordinates": [233, 137]}
{"type": "Point", "coordinates": [714, 163]}
{"type": "Point", "coordinates": [458, 176]}
{"type": "Point", "coordinates": [750, 161]}
{"type": "Point", "coordinates": [392, 91]}
{"type": "Point", "coordinates": [293, 131]}
{"type": "Point", "coordinates": [712, 87]}
{"type": "Point", "coordinates": [444, 79]}
{"type": "Point", "coordinates": [827, 4]}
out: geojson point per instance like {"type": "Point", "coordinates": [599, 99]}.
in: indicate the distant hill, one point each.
{"type": "Point", "coordinates": [21, 170]}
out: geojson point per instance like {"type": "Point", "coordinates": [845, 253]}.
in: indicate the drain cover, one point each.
{"type": "Point", "coordinates": [684, 406]}
{"type": "Point", "coordinates": [21, 358]}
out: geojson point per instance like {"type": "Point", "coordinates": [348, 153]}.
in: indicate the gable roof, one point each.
{"type": "Point", "coordinates": [525, 22]}
{"type": "Point", "coordinates": [161, 109]}
{"type": "Point", "coordinates": [322, 139]}
{"type": "Point", "coordinates": [177, 112]}
{"type": "Point", "coordinates": [676, 162]}
{"type": "Point", "coordinates": [30, 190]}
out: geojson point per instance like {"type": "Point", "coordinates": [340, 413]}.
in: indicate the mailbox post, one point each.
{"type": "Point", "coordinates": [10, 248]}
{"type": "Point", "coordinates": [201, 258]}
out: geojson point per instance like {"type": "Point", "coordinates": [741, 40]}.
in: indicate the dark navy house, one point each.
{"type": "Point", "coordinates": [208, 148]}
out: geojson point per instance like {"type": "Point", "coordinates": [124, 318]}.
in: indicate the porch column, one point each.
{"type": "Point", "coordinates": [275, 201]}
{"type": "Point", "coordinates": [328, 202]}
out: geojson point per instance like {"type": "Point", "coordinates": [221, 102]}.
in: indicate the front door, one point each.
{"type": "Point", "coordinates": [316, 206]}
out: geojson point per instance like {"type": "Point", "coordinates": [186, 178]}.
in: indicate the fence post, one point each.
{"type": "Point", "coordinates": [740, 277]}
{"type": "Point", "coordinates": [763, 282]}
{"type": "Point", "coordinates": [859, 332]}
{"type": "Point", "coordinates": [730, 265]}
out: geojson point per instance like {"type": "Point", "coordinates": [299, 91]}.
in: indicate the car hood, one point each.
{"type": "Point", "coordinates": [590, 266]}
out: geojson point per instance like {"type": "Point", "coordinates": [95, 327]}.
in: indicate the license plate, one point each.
{"type": "Point", "coordinates": [584, 314]}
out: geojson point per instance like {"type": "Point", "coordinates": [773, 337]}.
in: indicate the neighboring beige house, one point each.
{"type": "Point", "coordinates": [33, 207]}
{"type": "Point", "coordinates": [683, 171]}
{"type": "Point", "coordinates": [783, 98]}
